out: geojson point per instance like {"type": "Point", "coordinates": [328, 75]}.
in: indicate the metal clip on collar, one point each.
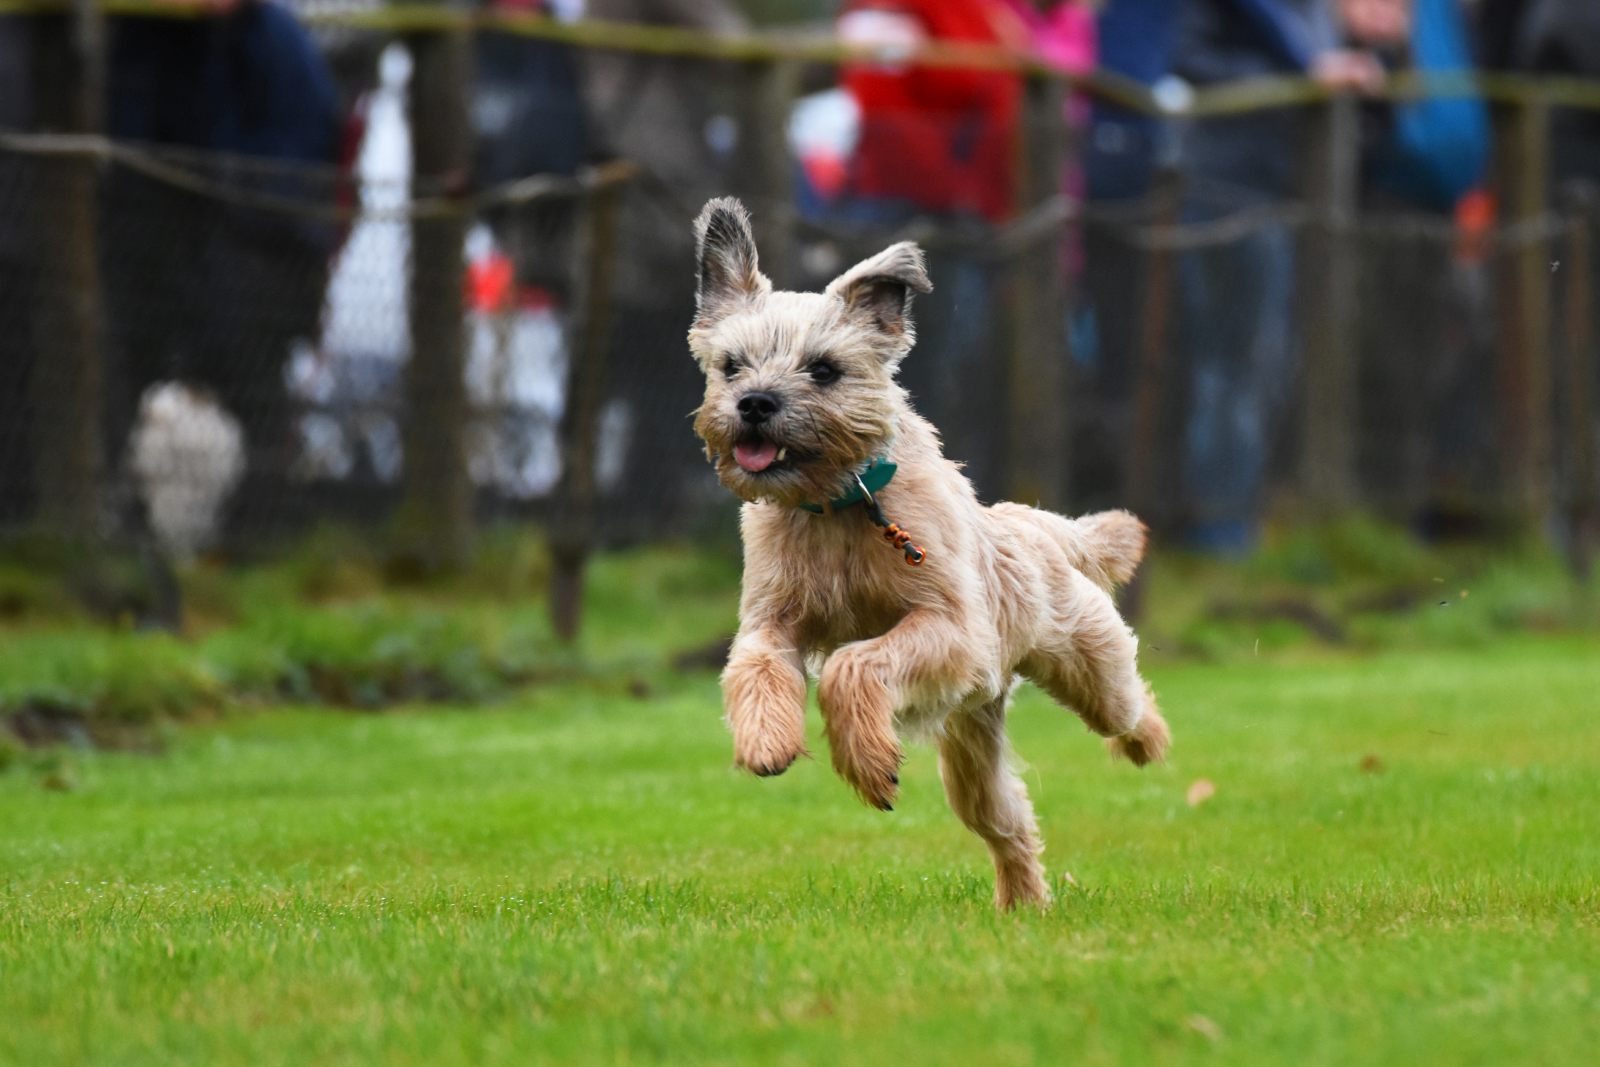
{"type": "Point", "coordinates": [891, 532]}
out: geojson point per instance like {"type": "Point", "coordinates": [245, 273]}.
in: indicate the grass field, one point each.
{"type": "Point", "coordinates": [1400, 864]}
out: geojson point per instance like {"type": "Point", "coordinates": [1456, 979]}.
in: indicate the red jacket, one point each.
{"type": "Point", "coordinates": [944, 139]}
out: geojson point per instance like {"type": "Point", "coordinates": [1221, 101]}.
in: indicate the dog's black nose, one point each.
{"type": "Point", "coordinates": [757, 408]}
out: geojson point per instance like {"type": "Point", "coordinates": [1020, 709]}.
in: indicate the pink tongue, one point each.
{"type": "Point", "coordinates": [755, 458]}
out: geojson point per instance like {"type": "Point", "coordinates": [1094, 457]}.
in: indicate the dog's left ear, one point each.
{"type": "Point", "coordinates": [880, 288]}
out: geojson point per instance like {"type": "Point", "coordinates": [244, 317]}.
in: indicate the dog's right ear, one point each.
{"type": "Point", "coordinates": [725, 248]}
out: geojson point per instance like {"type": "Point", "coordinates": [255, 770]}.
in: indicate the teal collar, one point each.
{"type": "Point", "coordinates": [874, 476]}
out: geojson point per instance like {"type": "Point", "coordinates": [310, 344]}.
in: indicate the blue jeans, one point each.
{"type": "Point", "coordinates": [1237, 300]}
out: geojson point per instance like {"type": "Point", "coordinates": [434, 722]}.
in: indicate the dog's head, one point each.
{"type": "Point", "coordinates": [800, 388]}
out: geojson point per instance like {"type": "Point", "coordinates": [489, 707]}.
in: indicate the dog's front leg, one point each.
{"type": "Point", "coordinates": [864, 683]}
{"type": "Point", "coordinates": [764, 696]}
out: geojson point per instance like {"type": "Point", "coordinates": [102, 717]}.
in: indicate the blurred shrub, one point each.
{"type": "Point", "coordinates": [1359, 583]}
{"type": "Point", "coordinates": [330, 623]}
{"type": "Point", "coordinates": [1353, 549]}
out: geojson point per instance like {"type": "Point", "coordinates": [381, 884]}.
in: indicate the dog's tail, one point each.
{"type": "Point", "coordinates": [1106, 546]}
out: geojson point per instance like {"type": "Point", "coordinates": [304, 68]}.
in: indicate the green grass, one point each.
{"type": "Point", "coordinates": [578, 876]}
{"type": "Point", "coordinates": [338, 621]}
{"type": "Point", "coordinates": [325, 625]}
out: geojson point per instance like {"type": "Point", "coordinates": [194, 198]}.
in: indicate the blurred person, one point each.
{"type": "Point", "coordinates": [1420, 156]}
{"type": "Point", "coordinates": [17, 269]}
{"type": "Point", "coordinates": [1061, 34]}
{"type": "Point", "coordinates": [1133, 39]}
{"type": "Point", "coordinates": [1555, 37]}
{"type": "Point", "coordinates": [208, 290]}
{"type": "Point", "coordinates": [528, 117]}
{"type": "Point", "coordinates": [941, 143]}
{"type": "Point", "coordinates": [1426, 153]}
{"type": "Point", "coordinates": [1122, 151]}
{"type": "Point", "coordinates": [934, 140]}
{"type": "Point", "coordinates": [1064, 35]}
{"type": "Point", "coordinates": [1239, 294]}
{"type": "Point", "coordinates": [1550, 37]}
{"type": "Point", "coordinates": [674, 117]}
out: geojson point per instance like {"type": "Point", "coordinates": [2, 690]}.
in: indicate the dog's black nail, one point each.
{"type": "Point", "coordinates": [895, 779]}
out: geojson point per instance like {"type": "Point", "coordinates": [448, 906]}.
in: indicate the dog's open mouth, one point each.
{"type": "Point", "coordinates": [757, 455]}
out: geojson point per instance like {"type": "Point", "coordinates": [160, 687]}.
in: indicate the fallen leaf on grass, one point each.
{"type": "Point", "coordinates": [1372, 764]}
{"type": "Point", "coordinates": [1200, 791]}
{"type": "Point", "coordinates": [1205, 1027]}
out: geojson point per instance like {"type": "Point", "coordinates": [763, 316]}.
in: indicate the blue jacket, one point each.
{"type": "Point", "coordinates": [1427, 153]}
{"type": "Point", "coordinates": [1135, 40]}
{"type": "Point", "coordinates": [249, 83]}
{"type": "Point", "coordinates": [1251, 156]}
{"type": "Point", "coordinates": [1437, 148]}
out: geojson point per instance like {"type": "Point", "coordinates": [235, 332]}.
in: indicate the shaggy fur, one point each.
{"type": "Point", "coordinates": [1006, 591]}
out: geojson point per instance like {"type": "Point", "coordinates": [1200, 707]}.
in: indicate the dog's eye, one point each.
{"type": "Point", "coordinates": [730, 367]}
{"type": "Point", "coordinates": [823, 372]}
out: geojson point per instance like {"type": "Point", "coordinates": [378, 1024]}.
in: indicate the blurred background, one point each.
{"type": "Point", "coordinates": [1304, 281]}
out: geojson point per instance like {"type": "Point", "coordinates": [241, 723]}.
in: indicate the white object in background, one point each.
{"type": "Point", "coordinates": [366, 312]}
{"type": "Point", "coordinates": [516, 377]}
{"type": "Point", "coordinates": [611, 453]}
{"type": "Point", "coordinates": [825, 124]}
{"type": "Point", "coordinates": [566, 10]}
{"type": "Point", "coordinates": [1173, 95]}
{"type": "Point", "coordinates": [187, 456]}
{"type": "Point", "coordinates": [891, 36]}
{"type": "Point", "coordinates": [515, 362]}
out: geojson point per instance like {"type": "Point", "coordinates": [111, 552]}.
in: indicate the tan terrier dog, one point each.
{"type": "Point", "coordinates": [803, 419]}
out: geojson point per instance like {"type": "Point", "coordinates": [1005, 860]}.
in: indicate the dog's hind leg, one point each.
{"type": "Point", "coordinates": [992, 801]}
{"type": "Point", "coordinates": [1088, 660]}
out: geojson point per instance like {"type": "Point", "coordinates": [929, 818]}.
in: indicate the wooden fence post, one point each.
{"type": "Point", "coordinates": [1158, 292]}
{"type": "Point", "coordinates": [762, 165]}
{"type": "Point", "coordinates": [573, 527]}
{"type": "Point", "coordinates": [436, 513]}
{"type": "Point", "coordinates": [1150, 388]}
{"type": "Point", "coordinates": [1582, 362]}
{"type": "Point", "coordinates": [1328, 275]}
{"type": "Point", "coordinates": [67, 378]}
{"type": "Point", "coordinates": [1524, 364]}
{"type": "Point", "coordinates": [1037, 423]}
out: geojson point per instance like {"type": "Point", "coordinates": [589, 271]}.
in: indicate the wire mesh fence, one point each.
{"type": "Point", "coordinates": [499, 334]}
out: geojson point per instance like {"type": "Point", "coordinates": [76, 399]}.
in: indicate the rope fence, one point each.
{"type": "Point", "coordinates": [1255, 94]}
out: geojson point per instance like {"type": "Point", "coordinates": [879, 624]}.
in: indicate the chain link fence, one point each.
{"type": "Point", "coordinates": [277, 346]}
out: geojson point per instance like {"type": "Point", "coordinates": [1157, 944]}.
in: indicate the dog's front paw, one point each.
{"type": "Point", "coordinates": [870, 761]}
{"type": "Point", "coordinates": [767, 752]}
{"type": "Point", "coordinates": [858, 714]}
{"type": "Point", "coordinates": [764, 695]}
